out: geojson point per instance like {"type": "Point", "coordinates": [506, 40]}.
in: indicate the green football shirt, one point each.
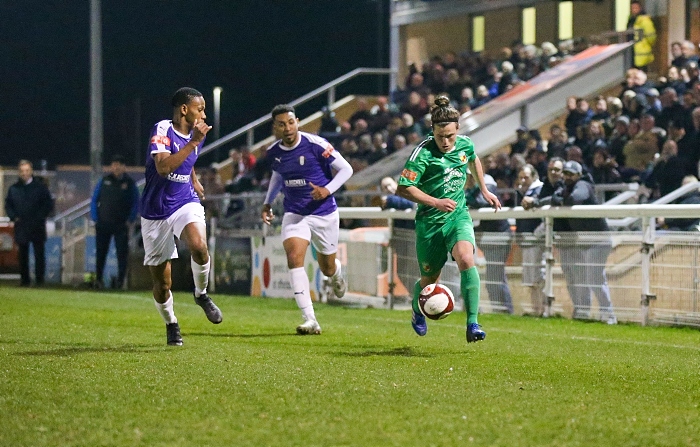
{"type": "Point", "coordinates": [439, 175]}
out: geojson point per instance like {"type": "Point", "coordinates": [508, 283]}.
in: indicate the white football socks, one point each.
{"type": "Point", "coordinates": [302, 295]}
{"type": "Point", "coordinates": [200, 273]}
{"type": "Point", "coordinates": [166, 310]}
{"type": "Point", "coordinates": [338, 268]}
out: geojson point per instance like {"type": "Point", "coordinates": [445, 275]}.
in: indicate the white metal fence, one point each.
{"type": "Point", "coordinates": [648, 276]}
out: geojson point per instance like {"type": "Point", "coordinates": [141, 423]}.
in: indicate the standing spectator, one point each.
{"type": "Point", "coordinates": [443, 223]}
{"type": "Point", "coordinates": [303, 170]}
{"type": "Point", "coordinates": [604, 170]}
{"type": "Point", "coordinates": [28, 204]}
{"type": "Point", "coordinates": [642, 24]}
{"type": "Point", "coordinates": [558, 141]}
{"type": "Point", "coordinates": [583, 263]}
{"type": "Point", "coordinates": [678, 58]}
{"type": "Point", "coordinates": [529, 185]}
{"type": "Point", "coordinates": [667, 174]}
{"type": "Point", "coordinates": [113, 208]}
{"type": "Point", "coordinates": [171, 207]}
{"type": "Point", "coordinates": [495, 245]}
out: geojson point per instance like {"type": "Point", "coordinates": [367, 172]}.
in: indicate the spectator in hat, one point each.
{"type": "Point", "coordinates": [654, 104]}
{"type": "Point", "coordinates": [113, 208]}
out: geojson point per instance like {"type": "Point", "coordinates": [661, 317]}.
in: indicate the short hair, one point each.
{"type": "Point", "coordinates": [533, 172]}
{"type": "Point", "coordinates": [442, 112]}
{"type": "Point", "coordinates": [282, 108]}
{"type": "Point", "coordinates": [184, 96]}
{"type": "Point", "coordinates": [118, 158]}
{"type": "Point", "coordinates": [25, 162]}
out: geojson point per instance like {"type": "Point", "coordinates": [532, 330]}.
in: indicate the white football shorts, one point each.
{"type": "Point", "coordinates": [158, 235]}
{"type": "Point", "coordinates": [321, 231]}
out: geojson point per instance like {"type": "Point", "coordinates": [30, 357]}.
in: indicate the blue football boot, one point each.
{"type": "Point", "coordinates": [418, 323]}
{"type": "Point", "coordinates": [474, 333]}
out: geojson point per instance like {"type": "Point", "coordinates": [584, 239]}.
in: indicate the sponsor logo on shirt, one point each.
{"type": "Point", "coordinates": [329, 150]}
{"type": "Point", "coordinates": [409, 175]}
{"type": "Point", "coordinates": [293, 183]}
{"type": "Point", "coordinates": [177, 146]}
{"type": "Point", "coordinates": [179, 178]}
{"type": "Point", "coordinates": [160, 139]}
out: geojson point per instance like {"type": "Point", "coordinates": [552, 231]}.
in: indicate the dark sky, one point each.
{"type": "Point", "coordinates": [261, 52]}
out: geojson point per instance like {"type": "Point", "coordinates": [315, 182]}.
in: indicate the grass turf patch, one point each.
{"type": "Point", "coordinates": [80, 368]}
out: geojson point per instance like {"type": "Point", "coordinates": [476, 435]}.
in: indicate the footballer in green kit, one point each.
{"type": "Point", "coordinates": [435, 176]}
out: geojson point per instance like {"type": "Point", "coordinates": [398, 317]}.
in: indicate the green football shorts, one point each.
{"type": "Point", "coordinates": [435, 240]}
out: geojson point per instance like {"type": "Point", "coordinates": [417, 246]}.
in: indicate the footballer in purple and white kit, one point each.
{"type": "Point", "coordinates": [170, 207]}
{"type": "Point", "coordinates": [302, 169]}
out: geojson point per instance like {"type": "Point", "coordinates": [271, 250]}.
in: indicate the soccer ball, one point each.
{"type": "Point", "coordinates": [436, 301]}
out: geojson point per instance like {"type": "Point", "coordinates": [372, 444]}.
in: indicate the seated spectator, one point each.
{"type": "Point", "coordinates": [688, 50]}
{"type": "Point", "coordinates": [618, 140]}
{"type": "Point", "coordinates": [688, 147]}
{"type": "Point", "coordinates": [678, 59]}
{"type": "Point", "coordinates": [666, 174]}
{"type": "Point", "coordinates": [417, 106]}
{"type": "Point", "coordinates": [640, 150]}
{"type": "Point", "coordinates": [380, 114]}
{"type": "Point", "coordinates": [600, 110]}
{"type": "Point", "coordinates": [537, 157]}
{"type": "Point", "coordinates": [672, 80]}
{"type": "Point", "coordinates": [604, 171]}
{"type": "Point", "coordinates": [482, 96]}
{"type": "Point", "coordinates": [671, 108]}
{"type": "Point", "coordinates": [398, 143]}
{"type": "Point", "coordinates": [653, 100]}
{"type": "Point", "coordinates": [558, 141]}
{"type": "Point", "coordinates": [521, 134]}
{"type": "Point", "coordinates": [690, 198]}
{"type": "Point", "coordinates": [579, 116]}
{"type": "Point", "coordinates": [361, 112]}
{"type": "Point", "coordinates": [329, 124]}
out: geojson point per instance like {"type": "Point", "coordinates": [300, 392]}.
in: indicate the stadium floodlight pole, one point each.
{"type": "Point", "coordinates": [217, 116]}
{"type": "Point", "coordinates": [96, 122]}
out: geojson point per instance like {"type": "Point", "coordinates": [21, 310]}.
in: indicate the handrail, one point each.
{"type": "Point", "coordinates": [668, 198]}
{"type": "Point", "coordinates": [329, 88]}
{"type": "Point", "coordinates": [83, 207]}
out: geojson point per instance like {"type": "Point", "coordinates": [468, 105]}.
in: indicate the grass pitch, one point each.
{"type": "Point", "coordinates": [92, 369]}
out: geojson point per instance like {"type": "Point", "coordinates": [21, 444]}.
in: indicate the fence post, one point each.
{"type": "Point", "coordinates": [390, 265]}
{"type": "Point", "coordinates": [647, 250]}
{"type": "Point", "coordinates": [549, 263]}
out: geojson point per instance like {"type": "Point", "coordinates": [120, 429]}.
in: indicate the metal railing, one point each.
{"type": "Point", "coordinates": [329, 89]}
{"type": "Point", "coordinates": [647, 212]}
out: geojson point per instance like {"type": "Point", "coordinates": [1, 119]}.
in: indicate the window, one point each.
{"type": "Point", "coordinates": [478, 33]}
{"type": "Point", "coordinates": [529, 26]}
{"type": "Point", "coordinates": [622, 13]}
{"type": "Point", "coordinates": [566, 20]}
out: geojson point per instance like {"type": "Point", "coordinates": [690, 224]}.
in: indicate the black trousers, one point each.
{"type": "Point", "coordinates": [103, 236]}
{"type": "Point", "coordinates": [39, 261]}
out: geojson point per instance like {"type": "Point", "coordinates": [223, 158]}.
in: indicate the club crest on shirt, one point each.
{"type": "Point", "coordinates": [462, 157]}
{"type": "Point", "coordinates": [301, 160]}
{"type": "Point", "coordinates": [426, 267]}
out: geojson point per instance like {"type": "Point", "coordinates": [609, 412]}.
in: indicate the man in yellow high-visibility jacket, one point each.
{"type": "Point", "coordinates": [644, 40]}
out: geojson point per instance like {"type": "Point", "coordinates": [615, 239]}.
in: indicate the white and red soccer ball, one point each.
{"type": "Point", "coordinates": [436, 301]}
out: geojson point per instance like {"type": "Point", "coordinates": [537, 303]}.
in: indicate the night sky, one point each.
{"type": "Point", "coordinates": [260, 52]}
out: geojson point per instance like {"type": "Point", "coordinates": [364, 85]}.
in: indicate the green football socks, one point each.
{"type": "Point", "coordinates": [471, 289]}
{"type": "Point", "coordinates": [416, 293]}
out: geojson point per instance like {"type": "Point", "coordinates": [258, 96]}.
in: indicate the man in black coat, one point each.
{"type": "Point", "coordinates": [28, 204]}
{"type": "Point", "coordinates": [114, 205]}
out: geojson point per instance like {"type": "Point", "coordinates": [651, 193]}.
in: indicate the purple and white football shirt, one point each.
{"type": "Point", "coordinates": [162, 196]}
{"type": "Point", "coordinates": [309, 161]}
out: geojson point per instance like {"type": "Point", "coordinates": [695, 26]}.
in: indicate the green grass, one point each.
{"type": "Point", "coordinates": [92, 369]}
